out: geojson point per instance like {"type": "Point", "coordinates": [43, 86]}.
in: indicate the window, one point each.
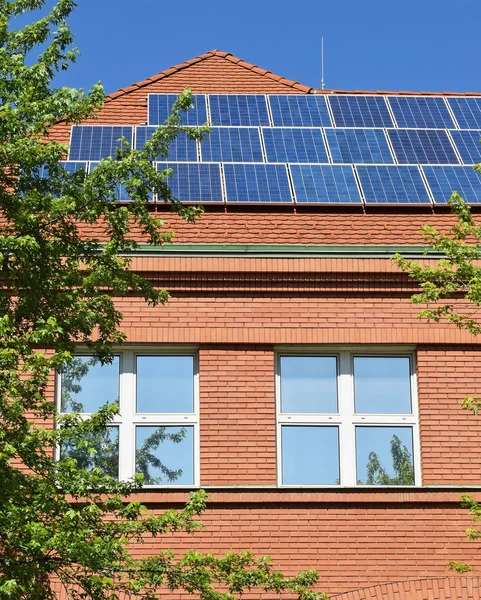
{"type": "Point", "coordinates": [347, 418]}
{"type": "Point", "coordinates": [156, 432]}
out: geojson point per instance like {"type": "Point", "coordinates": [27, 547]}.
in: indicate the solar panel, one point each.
{"type": "Point", "coordinates": [327, 184]}
{"type": "Point", "coordinates": [238, 110]}
{"type": "Point", "coordinates": [232, 144]}
{"type": "Point", "coordinates": [422, 112]}
{"type": "Point", "coordinates": [468, 145]}
{"type": "Point", "coordinates": [299, 111]}
{"type": "Point", "coordinates": [93, 142]}
{"type": "Point", "coordinates": [257, 183]}
{"type": "Point", "coordinates": [360, 111]}
{"type": "Point", "coordinates": [444, 180]}
{"type": "Point", "coordinates": [160, 107]}
{"type": "Point", "coordinates": [194, 182]}
{"type": "Point", "coordinates": [467, 112]}
{"type": "Point", "coordinates": [392, 184]}
{"type": "Point", "coordinates": [358, 146]}
{"type": "Point", "coordinates": [182, 149]}
{"type": "Point", "coordinates": [422, 146]}
{"type": "Point", "coordinates": [73, 166]}
{"type": "Point", "coordinates": [294, 145]}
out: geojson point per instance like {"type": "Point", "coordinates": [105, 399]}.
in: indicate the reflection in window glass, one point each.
{"type": "Point", "coordinates": [102, 453]}
{"type": "Point", "coordinates": [382, 384]}
{"type": "Point", "coordinates": [384, 456]}
{"type": "Point", "coordinates": [309, 384]}
{"type": "Point", "coordinates": [165, 384]}
{"type": "Point", "coordinates": [165, 454]}
{"type": "Point", "coordinates": [310, 455]}
{"type": "Point", "coordinates": [86, 385]}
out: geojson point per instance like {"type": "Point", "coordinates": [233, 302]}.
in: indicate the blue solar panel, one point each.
{"type": "Point", "coordinates": [238, 110]}
{"type": "Point", "coordinates": [327, 184]}
{"type": "Point", "coordinates": [73, 166]}
{"type": "Point", "coordinates": [422, 146]}
{"type": "Point", "coordinates": [358, 146]}
{"type": "Point", "coordinates": [194, 182]}
{"type": "Point", "coordinates": [467, 112]}
{"type": "Point", "coordinates": [360, 111]}
{"type": "Point", "coordinates": [232, 144]}
{"type": "Point", "coordinates": [422, 112]}
{"type": "Point", "coordinates": [93, 142]}
{"type": "Point", "coordinates": [182, 149]}
{"type": "Point", "coordinates": [299, 111]}
{"type": "Point", "coordinates": [445, 180]}
{"type": "Point", "coordinates": [294, 145]}
{"type": "Point", "coordinates": [160, 107]}
{"type": "Point", "coordinates": [468, 145]}
{"type": "Point", "coordinates": [392, 184]}
{"type": "Point", "coordinates": [257, 183]}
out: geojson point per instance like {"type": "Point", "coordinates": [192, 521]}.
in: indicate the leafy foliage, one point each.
{"type": "Point", "coordinates": [402, 466]}
{"type": "Point", "coordinates": [70, 520]}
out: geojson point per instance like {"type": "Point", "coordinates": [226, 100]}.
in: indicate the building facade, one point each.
{"type": "Point", "coordinates": [316, 408]}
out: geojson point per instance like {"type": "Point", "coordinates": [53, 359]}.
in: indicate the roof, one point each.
{"type": "Point", "coordinates": [292, 86]}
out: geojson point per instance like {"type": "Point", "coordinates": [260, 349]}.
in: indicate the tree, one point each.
{"type": "Point", "coordinates": [401, 463]}
{"type": "Point", "coordinates": [452, 290]}
{"type": "Point", "coordinates": [69, 519]}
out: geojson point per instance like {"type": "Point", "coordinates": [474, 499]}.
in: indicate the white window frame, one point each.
{"type": "Point", "coordinates": [346, 419]}
{"type": "Point", "coordinates": [128, 419]}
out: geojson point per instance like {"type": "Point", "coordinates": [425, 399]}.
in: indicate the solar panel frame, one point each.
{"type": "Point", "coordinates": [299, 110]}
{"type": "Point", "coordinates": [390, 181]}
{"type": "Point", "coordinates": [467, 111]}
{"type": "Point", "coordinates": [422, 146]}
{"type": "Point", "coordinates": [346, 146]}
{"type": "Point", "coordinates": [324, 184]}
{"type": "Point", "coordinates": [360, 111]}
{"type": "Point", "coordinates": [294, 144]}
{"type": "Point", "coordinates": [443, 180]}
{"type": "Point", "coordinates": [239, 110]}
{"type": "Point", "coordinates": [467, 143]}
{"type": "Point", "coordinates": [94, 142]}
{"type": "Point", "coordinates": [159, 107]}
{"type": "Point", "coordinates": [181, 149]}
{"type": "Point", "coordinates": [200, 190]}
{"type": "Point", "coordinates": [421, 112]}
{"type": "Point", "coordinates": [232, 144]}
{"type": "Point", "coordinates": [270, 184]}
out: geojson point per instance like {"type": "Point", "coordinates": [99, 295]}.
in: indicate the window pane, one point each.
{"type": "Point", "coordinates": [102, 454]}
{"type": "Point", "coordinates": [310, 455]}
{"type": "Point", "coordinates": [382, 384]}
{"type": "Point", "coordinates": [165, 455]}
{"type": "Point", "coordinates": [165, 384]}
{"type": "Point", "coordinates": [86, 385]}
{"type": "Point", "coordinates": [309, 384]}
{"type": "Point", "coordinates": [384, 456]}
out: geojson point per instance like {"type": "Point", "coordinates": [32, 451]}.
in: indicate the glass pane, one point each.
{"type": "Point", "coordinates": [86, 385]}
{"type": "Point", "coordinates": [310, 455]}
{"type": "Point", "coordinates": [382, 384]}
{"type": "Point", "coordinates": [384, 456]}
{"type": "Point", "coordinates": [103, 452]}
{"type": "Point", "coordinates": [165, 455]}
{"type": "Point", "coordinates": [309, 384]}
{"type": "Point", "coordinates": [165, 384]}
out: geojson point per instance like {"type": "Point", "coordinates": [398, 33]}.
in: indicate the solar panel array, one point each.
{"type": "Point", "coordinates": [310, 148]}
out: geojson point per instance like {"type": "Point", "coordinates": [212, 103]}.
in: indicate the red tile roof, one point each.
{"type": "Point", "coordinates": [227, 56]}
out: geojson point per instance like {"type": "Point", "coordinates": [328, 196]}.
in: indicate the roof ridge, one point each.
{"type": "Point", "coordinates": [211, 53]}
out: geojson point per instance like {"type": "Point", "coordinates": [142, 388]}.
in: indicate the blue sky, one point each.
{"type": "Point", "coordinates": [413, 45]}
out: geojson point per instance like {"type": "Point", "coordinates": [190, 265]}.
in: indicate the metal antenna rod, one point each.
{"type": "Point", "coordinates": [323, 87]}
